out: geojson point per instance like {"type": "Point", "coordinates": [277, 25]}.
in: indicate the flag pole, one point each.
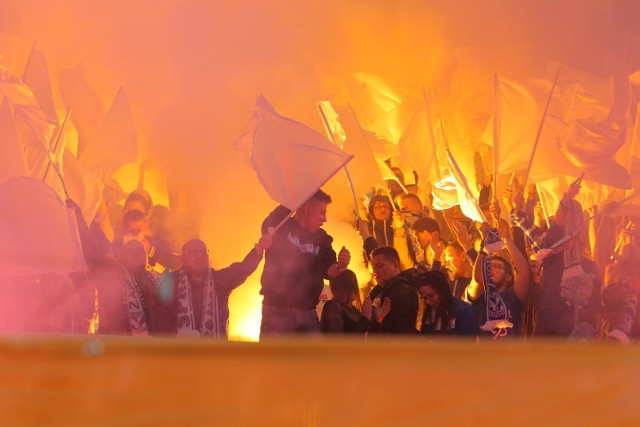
{"type": "Point", "coordinates": [28, 64]}
{"type": "Point", "coordinates": [544, 209]}
{"type": "Point", "coordinates": [55, 168]}
{"type": "Point", "coordinates": [463, 184]}
{"type": "Point", "coordinates": [327, 128]}
{"type": "Point", "coordinates": [364, 137]}
{"type": "Point", "coordinates": [433, 138]}
{"type": "Point", "coordinates": [635, 136]}
{"type": "Point", "coordinates": [544, 115]}
{"type": "Point", "coordinates": [496, 132]}
{"type": "Point", "coordinates": [56, 144]}
{"type": "Point", "coordinates": [444, 138]}
{"type": "Point", "coordinates": [64, 186]}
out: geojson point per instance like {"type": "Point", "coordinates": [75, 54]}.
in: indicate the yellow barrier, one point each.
{"type": "Point", "coordinates": [82, 381]}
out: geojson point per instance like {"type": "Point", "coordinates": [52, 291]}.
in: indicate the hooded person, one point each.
{"type": "Point", "coordinates": [380, 220]}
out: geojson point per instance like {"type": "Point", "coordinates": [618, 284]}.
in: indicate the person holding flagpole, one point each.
{"type": "Point", "coordinates": [296, 264]}
{"type": "Point", "coordinates": [293, 161]}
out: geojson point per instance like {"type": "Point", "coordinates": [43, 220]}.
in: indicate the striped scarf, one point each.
{"type": "Point", "coordinates": [576, 286]}
{"type": "Point", "coordinates": [496, 310]}
{"type": "Point", "coordinates": [135, 304]}
{"type": "Point", "coordinates": [186, 320]}
{"type": "Point", "coordinates": [535, 234]}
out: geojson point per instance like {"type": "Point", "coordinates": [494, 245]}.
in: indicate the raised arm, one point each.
{"type": "Point", "coordinates": [520, 264]}
{"type": "Point", "coordinates": [401, 241]}
{"type": "Point", "coordinates": [461, 235]}
{"type": "Point", "coordinates": [564, 209]}
{"type": "Point", "coordinates": [476, 287]}
{"type": "Point", "coordinates": [234, 275]}
{"type": "Point", "coordinates": [336, 269]}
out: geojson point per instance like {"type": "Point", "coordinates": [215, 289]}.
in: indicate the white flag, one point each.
{"type": "Point", "coordinates": [418, 146]}
{"type": "Point", "coordinates": [12, 162]}
{"type": "Point", "coordinates": [292, 161]}
{"type": "Point", "coordinates": [39, 234]}
{"type": "Point", "coordinates": [115, 142]}
{"type": "Point", "coordinates": [468, 203]}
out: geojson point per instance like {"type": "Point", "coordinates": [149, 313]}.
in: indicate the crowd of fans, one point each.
{"type": "Point", "coordinates": [434, 273]}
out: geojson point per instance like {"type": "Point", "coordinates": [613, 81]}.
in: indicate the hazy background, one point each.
{"type": "Point", "coordinates": [193, 69]}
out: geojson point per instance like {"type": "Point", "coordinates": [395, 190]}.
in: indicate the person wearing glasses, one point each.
{"type": "Point", "coordinates": [443, 313]}
{"type": "Point", "coordinates": [499, 288]}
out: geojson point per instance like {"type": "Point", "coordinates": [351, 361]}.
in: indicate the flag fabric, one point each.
{"type": "Point", "coordinates": [591, 193]}
{"type": "Point", "coordinates": [14, 52]}
{"type": "Point", "coordinates": [467, 108]}
{"type": "Point", "coordinates": [33, 128]}
{"type": "Point", "coordinates": [115, 142]}
{"type": "Point", "coordinates": [466, 198]}
{"type": "Point", "coordinates": [12, 162]}
{"type": "Point", "coordinates": [634, 172]}
{"type": "Point", "coordinates": [635, 136]}
{"type": "Point", "coordinates": [380, 147]}
{"type": "Point", "coordinates": [37, 78]}
{"type": "Point", "coordinates": [292, 161]}
{"type": "Point", "coordinates": [39, 234]}
{"type": "Point", "coordinates": [575, 150]}
{"type": "Point", "coordinates": [592, 143]}
{"type": "Point", "coordinates": [417, 145]}
{"type": "Point", "coordinates": [634, 78]}
{"type": "Point", "coordinates": [387, 172]}
{"type": "Point", "coordinates": [634, 153]}
{"type": "Point", "coordinates": [331, 122]}
{"type": "Point", "coordinates": [518, 111]}
{"type": "Point", "coordinates": [592, 146]}
{"type": "Point", "coordinates": [33, 125]}
{"type": "Point", "coordinates": [563, 149]}
{"type": "Point", "coordinates": [609, 172]}
{"type": "Point", "coordinates": [445, 193]}
{"type": "Point", "coordinates": [631, 52]}
{"type": "Point", "coordinates": [42, 162]}
{"type": "Point", "coordinates": [382, 107]}
{"type": "Point", "coordinates": [550, 160]}
{"type": "Point", "coordinates": [363, 169]}
{"type": "Point", "coordinates": [86, 105]}
{"type": "Point", "coordinates": [465, 161]}
{"type": "Point", "coordinates": [243, 144]}
{"type": "Point", "coordinates": [629, 206]}
{"type": "Point", "coordinates": [84, 187]}
{"type": "Point", "coordinates": [581, 95]}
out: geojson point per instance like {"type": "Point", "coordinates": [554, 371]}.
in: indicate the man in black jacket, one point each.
{"type": "Point", "coordinates": [295, 267]}
{"type": "Point", "coordinates": [395, 298]}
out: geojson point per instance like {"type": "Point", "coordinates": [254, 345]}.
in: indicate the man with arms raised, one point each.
{"type": "Point", "coordinates": [194, 301]}
{"type": "Point", "coordinates": [296, 264]}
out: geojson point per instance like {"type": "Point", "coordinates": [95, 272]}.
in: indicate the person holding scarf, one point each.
{"type": "Point", "coordinates": [496, 291]}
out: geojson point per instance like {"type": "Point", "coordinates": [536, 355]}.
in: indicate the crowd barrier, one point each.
{"type": "Point", "coordinates": [122, 381]}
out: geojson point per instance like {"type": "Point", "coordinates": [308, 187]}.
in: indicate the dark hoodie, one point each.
{"type": "Point", "coordinates": [380, 230]}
